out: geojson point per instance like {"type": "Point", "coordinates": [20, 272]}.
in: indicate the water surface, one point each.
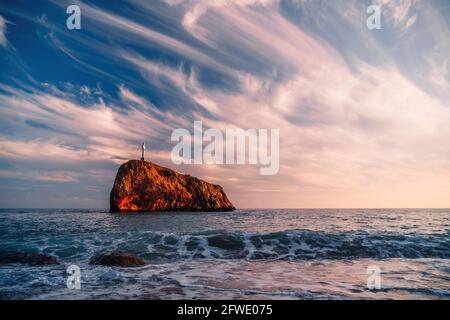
{"type": "Point", "coordinates": [246, 254]}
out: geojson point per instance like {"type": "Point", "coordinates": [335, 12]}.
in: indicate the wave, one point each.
{"type": "Point", "coordinates": [287, 245]}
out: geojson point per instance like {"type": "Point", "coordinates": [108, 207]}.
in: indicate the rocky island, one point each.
{"type": "Point", "coordinates": [142, 186]}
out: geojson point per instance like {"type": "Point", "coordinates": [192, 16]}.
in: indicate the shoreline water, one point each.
{"type": "Point", "coordinates": [247, 254]}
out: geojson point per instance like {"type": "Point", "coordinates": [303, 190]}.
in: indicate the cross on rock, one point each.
{"type": "Point", "coordinates": [143, 151]}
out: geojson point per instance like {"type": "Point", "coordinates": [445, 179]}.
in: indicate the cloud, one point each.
{"type": "Point", "coordinates": [156, 70]}
{"type": "Point", "coordinates": [341, 129]}
{"type": "Point", "coordinates": [127, 27]}
{"type": "Point", "coordinates": [197, 8]}
{"type": "Point", "coordinates": [400, 13]}
{"type": "Point", "coordinates": [66, 131]}
{"type": "Point", "coordinates": [3, 40]}
{"type": "Point", "coordinates": [65, 177]}
{"type": "Point", "coordinates": [353, 132]}
{"type": "Point", "coordinates": [40, 151]}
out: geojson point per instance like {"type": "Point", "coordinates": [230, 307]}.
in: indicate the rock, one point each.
{"type": "Point", "coordinates": [29, 258]}
{"type": "Point", "coordinates": [118, 259]}
{"type": "Point", "coordinates": [142, 186]}
{"type": "Point", "coordinates": [227, 242]}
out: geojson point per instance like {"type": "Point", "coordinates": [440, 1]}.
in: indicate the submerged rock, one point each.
{"type": "Point", "coordinates": [144, 186]}
{"type": "Point", "coordinates": [117, 259]}
{"type": "Point", "coordinates": [29, 258]}
{"type": "Point", "coordinates": [227, 242]}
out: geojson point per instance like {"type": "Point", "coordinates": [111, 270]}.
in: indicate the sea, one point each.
{"type": "Point", "coordinates": [245, 254]}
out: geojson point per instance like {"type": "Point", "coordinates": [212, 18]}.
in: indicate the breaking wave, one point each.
{"type": "Point", "coordinates": [287, 245]}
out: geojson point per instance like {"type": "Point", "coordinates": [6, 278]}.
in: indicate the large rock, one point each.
{"type": "Point", "coordinates": [29, 258]}
{"type": "Point", "coordinates": [142, 186]}
{"type": "Point", "coordinates": [117, 259]}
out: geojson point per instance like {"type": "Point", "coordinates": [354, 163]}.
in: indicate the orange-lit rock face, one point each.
{"type": "Point", "coordinates": [145, 186]}
{"type": "Point", "coordinates": [127, 204]}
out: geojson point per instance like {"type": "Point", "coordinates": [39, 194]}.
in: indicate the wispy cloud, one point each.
{"type": "Point", "coordinates": [355, 130]}
{"type": "Point", "coordinates": [3, 40]}
{"type": "Point", "coordinates": [64, 177]}
{"type": "Point", "coordinates": [400, 13]}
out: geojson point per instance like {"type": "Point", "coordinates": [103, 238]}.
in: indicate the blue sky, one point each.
{"type": "Point", "coordinates": [363, 114]}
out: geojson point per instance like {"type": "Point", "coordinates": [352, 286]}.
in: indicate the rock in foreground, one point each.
{"type": "Point", "coordinates": [142, 186]}
{"type": "Point", "coordinates": [29, 258]}
{"type": "Point", "coordinates": [118, 259]}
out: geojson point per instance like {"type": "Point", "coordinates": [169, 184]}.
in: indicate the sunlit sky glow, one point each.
{"type": "Point", "coordinates": [364, 115]}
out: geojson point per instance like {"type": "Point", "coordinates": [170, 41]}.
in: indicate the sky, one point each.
{"type": "Point", "coordinates": [364, 115]}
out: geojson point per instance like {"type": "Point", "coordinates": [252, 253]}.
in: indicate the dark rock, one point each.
{"type": "Point", "coordinates": [117, 259]}
{"type": "Point", "coordinates": [29, 258]}
{"type": "Point", "coordinates": [142, 186]}
{"type": "Point", "coordinates": [227, 242]}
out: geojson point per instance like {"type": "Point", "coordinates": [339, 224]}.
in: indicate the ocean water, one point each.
{"type": "Point", "coordinates": [246, 254]}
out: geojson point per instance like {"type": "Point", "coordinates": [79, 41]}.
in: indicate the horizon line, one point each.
{"type": "Point", "coordinates": [262, 208]}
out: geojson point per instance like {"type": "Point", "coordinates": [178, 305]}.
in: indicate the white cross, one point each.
{"type": "Point", "coordinates": [143, 150]}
